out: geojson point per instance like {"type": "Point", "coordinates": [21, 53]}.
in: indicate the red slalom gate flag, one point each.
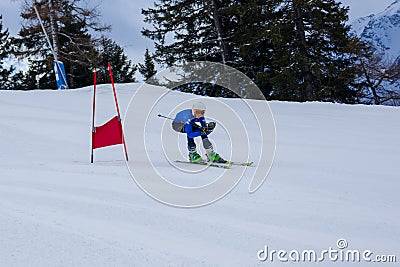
{"type": "Point", "coordinates": [108, 134]}
{"type": "Point", "coordinates": [111, 132]}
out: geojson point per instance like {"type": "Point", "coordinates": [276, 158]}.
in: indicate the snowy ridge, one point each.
{"type": "Point", "coordinates": [359, 24]}
{"type": "Point", "coordinates": [336, 175]}
{"type": "Point", "coordinates": [382, 30]}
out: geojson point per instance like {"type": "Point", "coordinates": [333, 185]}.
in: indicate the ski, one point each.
{"type": "Point", "coordinates": [211, 164]}
{"type": "Point", "coordinates": [239, 163]}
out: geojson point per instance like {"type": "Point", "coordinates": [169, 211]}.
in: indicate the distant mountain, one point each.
{"type": "Point", "coordinates": [382, 30]}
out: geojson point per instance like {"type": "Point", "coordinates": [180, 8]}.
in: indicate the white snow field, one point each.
{"type": "Point", "coordinates": [335, 177]}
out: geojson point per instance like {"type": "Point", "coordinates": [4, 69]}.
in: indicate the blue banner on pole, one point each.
{"type": "Point", "coordinates": [61, 77]}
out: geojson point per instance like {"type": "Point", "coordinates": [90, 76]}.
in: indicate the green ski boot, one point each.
{"type": "Point", "coordinates": [215, 157]}
{"type": "Point", "coordinates": [195, 157]}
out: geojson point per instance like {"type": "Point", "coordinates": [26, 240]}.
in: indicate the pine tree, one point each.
{"type": "Point", "coordinates": [70, 27]}
{"type": "Point", "coordinates": [147, 69]}
{"type": "Point", "coordinates": [190, 23]}
{"type": "Point", "coordinates": [123, 69]}
{"type": "Point", "coordinates": [5, 50]}
{"type": "Point", "coordinates": [232, 32]}
{"type": "Point", "coordinates": [250, 40]}
{"type": "Point", "coordinates": [292, 49]}
{"type": "Point", "coordinates": [199, 30]}
{"type": "Point", "coordinates": [313, 57]}
{"type": "Point", "coordinates": [38, 69]}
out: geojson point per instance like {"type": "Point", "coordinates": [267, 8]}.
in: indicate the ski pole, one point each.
{"type": "Point", "coordinates": [165, 117]}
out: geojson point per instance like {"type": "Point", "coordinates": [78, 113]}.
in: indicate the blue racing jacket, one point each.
{"type": "Point", "coordinates": [186, 116]}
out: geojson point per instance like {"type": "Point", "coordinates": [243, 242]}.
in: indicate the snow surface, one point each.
{"type": "Point", "coordinates": [335, 175]}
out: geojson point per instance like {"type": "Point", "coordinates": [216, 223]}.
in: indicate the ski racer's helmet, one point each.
{"type": "Point", "coordinates": [199, 106]}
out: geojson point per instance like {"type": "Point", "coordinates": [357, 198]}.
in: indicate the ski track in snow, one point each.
{"type": "Point", "coordinates": [335, 175]}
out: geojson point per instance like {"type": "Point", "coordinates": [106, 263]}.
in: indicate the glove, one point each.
{"type": "Point", "coordinates": [208, 128]}
{"type": "Point", "coordinates": [211, 126]}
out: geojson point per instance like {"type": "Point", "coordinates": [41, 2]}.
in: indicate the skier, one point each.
{"type": "Point", "coordinates": [193, 123]}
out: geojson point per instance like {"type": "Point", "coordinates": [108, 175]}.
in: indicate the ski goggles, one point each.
{"type": "Point", "coordinates": [199, 112]}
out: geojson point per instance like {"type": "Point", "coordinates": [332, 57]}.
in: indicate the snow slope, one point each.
{"type": "Point", "coordinates": [335, 175]}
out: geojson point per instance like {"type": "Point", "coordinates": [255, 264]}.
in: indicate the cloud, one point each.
{"type": "Point", "coordinates": [127, 22]}
{"type": "Point", "coordinates": [11, 15]}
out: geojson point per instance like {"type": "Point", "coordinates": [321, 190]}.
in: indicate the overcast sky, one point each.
{"type": "Point", "coordinates": [127, 21]}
